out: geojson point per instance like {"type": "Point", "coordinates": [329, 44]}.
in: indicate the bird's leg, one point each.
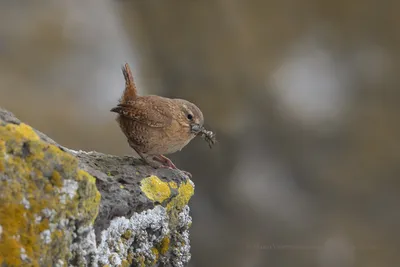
{"type": "Point", "coordinates": [153, 164]}
{"type": "Point", "coordinates": [165, 161]}
{"type": "Point", "coordinates": [169, 164]}
{"type": "Point", "coordinates": [146, 160]}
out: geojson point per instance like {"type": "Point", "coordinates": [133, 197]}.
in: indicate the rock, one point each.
{"type": "Point", "coordinates": [60, 207]}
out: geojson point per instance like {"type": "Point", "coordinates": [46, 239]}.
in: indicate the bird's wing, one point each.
{"type": "Point", "coordinates": [147, 110]}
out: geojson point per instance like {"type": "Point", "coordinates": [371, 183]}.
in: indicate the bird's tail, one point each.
{"type": "Point", "coordinates": [130, 92]}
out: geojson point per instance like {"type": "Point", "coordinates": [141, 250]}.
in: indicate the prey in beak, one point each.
{"type": "Point", "coordinates": [208, 136]}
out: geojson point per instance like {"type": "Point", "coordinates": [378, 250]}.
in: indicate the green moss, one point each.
{"type": "Point", "coordinates": [155, 189]}
{"type": "Point", "coordinates": [34, 170]}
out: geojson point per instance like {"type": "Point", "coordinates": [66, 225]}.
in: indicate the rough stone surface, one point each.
{"type": "Point", "coordinates": [51, 213]}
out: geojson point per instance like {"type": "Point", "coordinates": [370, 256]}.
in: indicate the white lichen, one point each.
{"type": "Point", "coordinates": [182, 248]}
{"type": "Point", "coordinates": [23, 255]}
{"type": "Point", "coordinates": [53, 226]}
{"type": "Point", "coordinates": [85, 248]}
{"type": "Point", "coordinates": [46, 236]}
{"type": "Point", "coordinates": [184, 218]}
{"type": "Point", "coordinates": [49, 213]}
{"type": "Point", "coordinates": [26, 203]}
{"type": "Point", "coordinates": [68, 190]}
{"type": "Point", "coordinates": [115, 259]}
{"type": "Point", "coordinates": [59, 263]}
{"type": "Point", "coordinates": [38, 219]}
{"type": "Point", "coordinates": [146, 229]}
{"type": "Point", "coordinates": [63, 223]}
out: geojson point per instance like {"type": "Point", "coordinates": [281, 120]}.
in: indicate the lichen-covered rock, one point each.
{"type": "Point", "coordinates": [144, 214]}
{"type": "Point", "coordinates": [51, 213]}
{"type": "Point", "coordinates": [45, 200]}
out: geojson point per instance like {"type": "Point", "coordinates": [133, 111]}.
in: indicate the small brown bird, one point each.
{"type": "Point", "coordinates": [156, 125]}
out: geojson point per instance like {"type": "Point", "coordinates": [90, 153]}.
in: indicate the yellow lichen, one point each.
{"type": "Point", "coordinates": [10, 247]}
{"type": "Point", "coordinates": [156, 254]}
{"type": "Point", "coordinates": [48, 188]}
{"type": "Point", "coordinates": [56, 179]}
{"type": "Point", "coordinates": [43, 225]}
{"type": "Point", "coordinates": [125, 263]}
{"type": "Point", "coordinates": [22, 131]}
{"type": "Point", "coordinates": [155, 189]}
{"type": "Point", "coordinates": [173, 185]}
{"type": "Point", "coordinates": [32, 169]}
{"type": "Point", "coordinates": [164, 246]}
{"type": "Point", "coordinates": [141, 261]}
{"type": "Point", "coordinates": [88, 187]}
{"type": "Point", "coordinates": [185, 192]}
{"type": "Point", "coordinates": [127, 234]}
{"type": "Point", "coordinates": [130, 257]}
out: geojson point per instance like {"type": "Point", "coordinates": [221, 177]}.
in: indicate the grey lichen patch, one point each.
{"type": "Point", "coordinates": [68, 190]}
{"type": "Point", "coordinates": [49, 214]}
{"type": "Point", "coordinates": [59, 263]}
{"type": "Point", "coordinates": [133, 238]}
{"type": "Point", "coordinates": [184, 218]}
{"type": "Point", "coordinates": [180, 241]}
{"type": "Point", "coordinates": [85, 247]}
{"type": "Point", "coordinates": [46, 236]}
{"type": "Point", "coordinates": [26, 203]}
{"type": "Point", "coordinates": [147, 238]}
{"type": "Point", "coordinates": [24, 257]}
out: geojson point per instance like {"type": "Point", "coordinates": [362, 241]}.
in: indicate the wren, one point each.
{"type": "Point", "coordinates": [155, 125]}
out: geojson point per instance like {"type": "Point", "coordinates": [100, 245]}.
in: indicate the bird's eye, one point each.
{"type": "Point", "coordinates": [190, 116]}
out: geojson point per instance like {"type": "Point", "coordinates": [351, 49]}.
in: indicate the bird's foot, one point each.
{"type": "Point", "coordinates": [188, 174]}
{"type": "Point", "coordinates": [151, 163]}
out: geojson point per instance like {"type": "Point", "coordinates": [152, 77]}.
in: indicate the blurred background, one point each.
{"type": "Point", "coordinates": [303, 95]}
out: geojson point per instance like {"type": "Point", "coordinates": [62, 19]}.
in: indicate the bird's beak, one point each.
{"type": "Point", "coordinates": [195, 128]}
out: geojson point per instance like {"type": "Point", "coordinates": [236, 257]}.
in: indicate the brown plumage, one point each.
{"type": "Point", "coordinates": [156, 125]}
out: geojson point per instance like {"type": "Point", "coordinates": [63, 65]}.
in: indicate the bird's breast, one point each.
{"type": "Point", "coordinates": [176, 138]}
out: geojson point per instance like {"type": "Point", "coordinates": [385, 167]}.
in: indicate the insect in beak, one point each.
{"type": "Point", "coordinates": [208, 136]}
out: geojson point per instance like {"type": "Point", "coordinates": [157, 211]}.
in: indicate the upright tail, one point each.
{"type": "Point", "coordinates": [130, 92]}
